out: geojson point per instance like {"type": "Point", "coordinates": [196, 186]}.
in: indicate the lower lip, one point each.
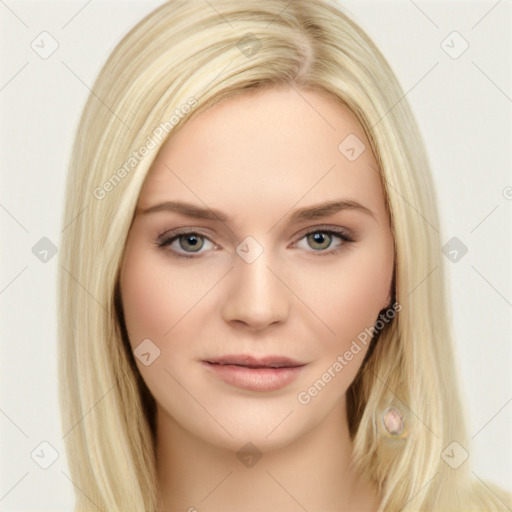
{"type": "Point", "coordinates": [254, 379]}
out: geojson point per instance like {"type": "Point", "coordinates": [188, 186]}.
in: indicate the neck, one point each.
{"type": "Point", "coordinates": [312, 472]}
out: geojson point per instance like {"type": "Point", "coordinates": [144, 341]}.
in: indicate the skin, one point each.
{"type": "Point", "coordinates": [258, 158]}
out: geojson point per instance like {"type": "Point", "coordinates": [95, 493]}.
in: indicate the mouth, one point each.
{"type": "Point", "coordinates": [268, 373]}
{"type": "Point", "coordinates": [254, 362]}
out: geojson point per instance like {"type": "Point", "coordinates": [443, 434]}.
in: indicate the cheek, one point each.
{"type": "Point", "coordinates": [158, 295]}
{"type": "Point", "coordinates": [155, 303]}
{"type": "Point", "coordinates": [349, 296]}
{"type": "Point", "coordinates": [149, 296]}
{"type": "Point", "coordinates": [142, 303]}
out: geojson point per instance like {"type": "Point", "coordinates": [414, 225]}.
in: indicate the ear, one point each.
{"type": "Point", "coordinates": [389, 299]}
{"type": "Point", "coordinates": [386, 305]}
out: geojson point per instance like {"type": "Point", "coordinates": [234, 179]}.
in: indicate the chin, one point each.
{"type": "Point", "coordinates": [267, 431]}
{"type": "Point", "coordinates": [252, 437]}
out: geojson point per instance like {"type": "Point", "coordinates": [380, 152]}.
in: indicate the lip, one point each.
{"type": "Point", "coordinates": [268, 373]}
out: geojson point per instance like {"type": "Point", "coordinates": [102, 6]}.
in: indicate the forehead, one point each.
{"type": "Point", "coordinates": [277, 144]}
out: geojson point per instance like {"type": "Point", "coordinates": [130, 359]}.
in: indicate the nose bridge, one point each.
{"type": "Point", "coordinates": [256, 296]}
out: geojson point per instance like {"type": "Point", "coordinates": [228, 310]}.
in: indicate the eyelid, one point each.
{"type": "Point", "coordinates": [171, 233]}
{"type": "Point", "coordinates": [339, 230]}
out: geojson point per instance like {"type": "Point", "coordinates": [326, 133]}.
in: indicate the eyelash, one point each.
{"type": "Point", "coordinates": [342, 234]}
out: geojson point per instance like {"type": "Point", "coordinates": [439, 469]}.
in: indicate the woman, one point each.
{"type": "Point", "coordinates": [249, 333]}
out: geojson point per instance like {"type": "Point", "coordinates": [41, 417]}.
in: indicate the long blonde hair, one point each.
{"type": "Point", "coordinates": [181, 59]}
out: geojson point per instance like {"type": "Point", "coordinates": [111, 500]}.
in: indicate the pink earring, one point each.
{"type": "Point", "coordinates": [393, 420]}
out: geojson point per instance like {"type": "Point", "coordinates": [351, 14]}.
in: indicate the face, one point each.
{"type": "Point", "coordinates": [253, 290]}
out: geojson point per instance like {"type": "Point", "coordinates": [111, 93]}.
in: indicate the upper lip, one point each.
{"type": "Point", "coordinates": [256, 362]}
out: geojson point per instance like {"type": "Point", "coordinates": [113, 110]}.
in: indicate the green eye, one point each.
{"type": "Point", "coordinates": [192, 239]}
{"type": "Point", "coordinates": [189, 242]}
{"type": "Point", "coordinates": [318, 237]}
{"type": "Point", "coordinates": [321, 239]}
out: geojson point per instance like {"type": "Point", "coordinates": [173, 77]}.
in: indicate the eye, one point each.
{"type": "Point", "coordinates": [188, 244]}
{"type": "Point", "coordinates": [322, 239]}
{"type": "Point", "coordinates": [185, 240]}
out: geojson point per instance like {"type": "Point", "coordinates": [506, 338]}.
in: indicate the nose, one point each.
{"type": "Point", "coordinates": [256, 295]}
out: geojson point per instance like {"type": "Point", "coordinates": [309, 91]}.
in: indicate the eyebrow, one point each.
{"type": "Point", "coordinates": [313, 212]}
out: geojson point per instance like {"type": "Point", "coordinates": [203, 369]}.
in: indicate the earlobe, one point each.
{"type": "Point", "coordinates": [390, 299]}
